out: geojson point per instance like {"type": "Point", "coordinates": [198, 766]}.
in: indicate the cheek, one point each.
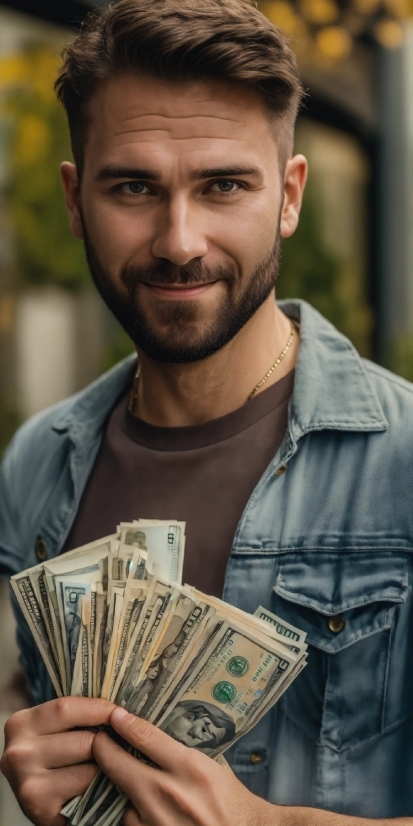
{"type": "Point", "coordinates": [120, 235]}
{"type": "Point", "coordinates": [248, 234]}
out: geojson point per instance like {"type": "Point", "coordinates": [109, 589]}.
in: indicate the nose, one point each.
{"type": "Point", "coordinates": [180, 235]}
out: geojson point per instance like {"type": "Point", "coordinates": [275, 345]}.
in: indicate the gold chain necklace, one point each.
{"type": "Point", "coordinates": [134, 394]}
{"type": "Point", "coordinates": [276, 363]}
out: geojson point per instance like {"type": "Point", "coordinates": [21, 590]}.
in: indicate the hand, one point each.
{"type": "Point", "coordinates": [185, 788]}
{"type": "Point", "coordinates": [45, 762]}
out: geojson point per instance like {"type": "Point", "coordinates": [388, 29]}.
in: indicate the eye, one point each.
{"type": "Point", "coordinates": [226, 187]}
{"type": "Point", "coordinates": [134, 188]}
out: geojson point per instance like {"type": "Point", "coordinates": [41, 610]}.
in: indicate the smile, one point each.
{"type": "Point", "coordinates": [180, 291]}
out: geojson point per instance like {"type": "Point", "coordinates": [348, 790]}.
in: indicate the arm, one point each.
{"type": "Point", "coordinates": [46, 761]}
{"type": "Point", "coordinates": [187, 788]}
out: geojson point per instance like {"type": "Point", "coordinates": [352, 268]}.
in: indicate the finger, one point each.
{"type": "Point", "coordinates": [42, 796]}
{"type": "Point", "coordinates": [59, 715]}
{"type": "Point", "coordinates": [132, 817]}
{"type": "Point", "coordinates": [55, 751]}
{"type": "Point", "coordinates": [132, 776]}
{"type": "Point", "coordinates": [72, 781]}
{"type": "Point", "coordinates": [155, 744]}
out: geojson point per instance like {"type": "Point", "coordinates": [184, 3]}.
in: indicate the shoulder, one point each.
{"type": "Point", "coordinates": [394, 393]}
{"type": "Point", "coordinates": [38, 450]}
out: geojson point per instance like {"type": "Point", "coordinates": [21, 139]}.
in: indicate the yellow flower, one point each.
{"type": "Point", "coordinates": [44, 72]}
{"type": "Point", "coordinates": [14, 69]}
{"type": "Point", "coordinates": [37, 69]}
{"type": "Point", "coordinates": [32, 140]}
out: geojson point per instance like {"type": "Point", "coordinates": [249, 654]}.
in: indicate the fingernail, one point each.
{"type": "Point", "coordinates": [119, 714]}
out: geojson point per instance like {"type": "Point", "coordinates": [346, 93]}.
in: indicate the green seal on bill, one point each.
{"type": "Point", "coordinates": [224, 692]}
{"type": "Point", "coordinates": [238, 666]}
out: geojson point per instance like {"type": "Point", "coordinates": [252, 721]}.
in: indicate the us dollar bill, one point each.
{"type": "Point", "coordinates": [133, 602]}
{"type": "Point", "coordinates": [171, 658]}
{"type": "Point", "coordinates": [112, 620]}
{"type": "Point", "coordinates": [164, 542]}
{"type": "Point", "coordinates": [151, 629]}
{"type": "Point", "coordinates": [293, 638]}
{"type": "Point", "coordinates": [69, 596]}
{"type": "Point", "coordinates": [216, 703]}
{"type": "Point", "coordinates": [27, 600]}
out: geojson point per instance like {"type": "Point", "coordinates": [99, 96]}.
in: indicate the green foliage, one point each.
{"type": "Point", "coordinates": [401, 357]}
{"type": "Point", "coordinates": [47, 253]}
{"type": "Point", "coordinates": [308, 269]}
{"type": "Point", "coordinates": [311, 271]}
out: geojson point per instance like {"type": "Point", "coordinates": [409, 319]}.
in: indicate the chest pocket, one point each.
{"type": "Point", "coordinates": [350, 605]}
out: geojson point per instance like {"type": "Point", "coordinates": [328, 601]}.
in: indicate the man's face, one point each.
{"type": "Point", "coordinates": [174, 646]}
{"type": "Point", "coordinates": [191, 728]}
{"type": "Point", "coordinates": [153, 671]}
{"type": "Point", "coordinates": [179, 207]}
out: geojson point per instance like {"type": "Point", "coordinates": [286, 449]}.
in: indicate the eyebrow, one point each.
{"type": "Point", "coordinates": [111, 171]}
{"type": "Point", "coordinates": [225, 172]}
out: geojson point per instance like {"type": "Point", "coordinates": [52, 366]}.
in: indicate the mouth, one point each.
{"type": "Point", "coordinates": [179, 291]}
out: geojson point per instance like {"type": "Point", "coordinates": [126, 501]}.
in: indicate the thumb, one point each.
{"type": "Point", "coordinates": [159, 747]}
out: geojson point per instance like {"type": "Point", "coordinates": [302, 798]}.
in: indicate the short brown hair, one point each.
{"type": "Point", "coordinates": [181, 40]}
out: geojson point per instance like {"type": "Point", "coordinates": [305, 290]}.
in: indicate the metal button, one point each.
{"type": "Point", "coordinates": [256, 757]}
{"type": "Point", "coordinates": [281, 470]}
{"type": "Point", "coordinates": [336, 624]}
{"type": "Point", "coordinates": [41, 550]}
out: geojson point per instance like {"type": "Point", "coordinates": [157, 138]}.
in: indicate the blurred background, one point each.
{"type": "Point", "coordinates": [352, 256]}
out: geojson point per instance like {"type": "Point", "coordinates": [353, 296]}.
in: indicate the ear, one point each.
{"type": "Point", "coordinates": [70, 183]}
{"type": "Point", "coordinates": [295, 178]}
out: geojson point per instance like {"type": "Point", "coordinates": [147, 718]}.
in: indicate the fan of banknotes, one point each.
{"type": "Point", "coordinates": [112, 620]}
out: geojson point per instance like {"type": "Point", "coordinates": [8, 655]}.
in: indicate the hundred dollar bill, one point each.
{"type": "Point", "coordinates": [108, 811]}
{"type": "Point", "coordinates": [37, 577]}
{"type": "Point", "coordinates": [111, 637]}
{"type": "Point", "coordinates": [99, 623]}
{"type": "Point", "coordinates": [290, 637]}
{"type": "Point", "coordinates": [134, 599]}
{"type": "Point", "coordinates": [69, 591]}
{"type": "Point", "coordinates": [216, 703]}
{"type": "Point", "coordinates": [27, 600]}
{"type": "Point", "coordinates": [82, 669]}
{"type": "Point", "coordinates": [73, 564]}
{"type": "Point", "coordinates": [164, 542]}
{"type": "Point", "coordinates": [143, 644]}
{"type": "Point", "coordinates": [172, 655]}
{"type": "Point", "coordinates": [143, 602]}
{"type": "Point", "coordinates": [127, 562]}
{"type": "Point", "coordinates": [162, 654]}
{"type": "Point", "coordinates": [98, 789]}
{"type": "Point", "coordinates": [294, 638]}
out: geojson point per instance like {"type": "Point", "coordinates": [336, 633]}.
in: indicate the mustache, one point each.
{"type": "Point", "coordinates": [166, 273]}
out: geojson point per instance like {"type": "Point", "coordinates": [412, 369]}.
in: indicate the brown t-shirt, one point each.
{"type": "Point", "coordinates": [202, 475]}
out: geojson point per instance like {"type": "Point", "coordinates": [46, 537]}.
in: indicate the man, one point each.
{"type": "Point", "coordinates": [258, 424]}
{"type": "Point", "coordinates": [199, 724]}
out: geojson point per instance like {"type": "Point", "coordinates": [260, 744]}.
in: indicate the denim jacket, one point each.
{"type": "Point", "coordinates": [325, 541]}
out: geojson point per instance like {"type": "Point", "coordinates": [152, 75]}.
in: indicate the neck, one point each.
{"type": "Point", "coordinates": [178, 395]}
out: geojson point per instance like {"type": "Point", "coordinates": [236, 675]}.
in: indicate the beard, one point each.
{"type": "Point", "coordinates": [180, 337]}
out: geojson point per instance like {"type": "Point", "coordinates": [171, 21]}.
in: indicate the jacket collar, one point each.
{"type": "Point", "coordinates": [84, 415]}
{"type": "Point", "coordinates": [332, 388]}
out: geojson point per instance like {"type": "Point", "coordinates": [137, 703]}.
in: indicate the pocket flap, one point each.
{"type": "Point", "coordinates": [332, 583]}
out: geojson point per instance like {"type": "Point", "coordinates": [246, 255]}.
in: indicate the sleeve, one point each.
{"type": "Point", "coordinates": [11, 560]}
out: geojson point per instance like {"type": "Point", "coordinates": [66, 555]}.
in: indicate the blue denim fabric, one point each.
{"type": "Point", "coordinates": [331, 534]}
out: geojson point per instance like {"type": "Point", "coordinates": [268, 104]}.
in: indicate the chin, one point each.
{"type": "Point", "coordinates": [177, 348]}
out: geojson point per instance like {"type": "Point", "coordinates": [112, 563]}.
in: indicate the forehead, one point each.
{"type": "Point", "coordinates": [130, 112]}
